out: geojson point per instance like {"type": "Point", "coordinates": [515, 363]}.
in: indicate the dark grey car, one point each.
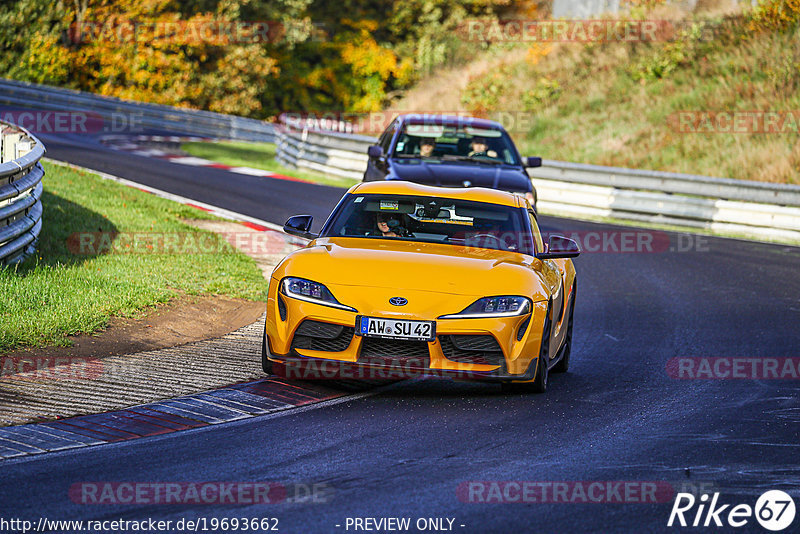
{"type": "Point", "coordinates": [450, 151]}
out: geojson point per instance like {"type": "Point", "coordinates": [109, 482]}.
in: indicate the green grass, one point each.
{"type": "Point", "coordinates": [60, 292]}
{"type": "Point", "coordinates": [258, 156]}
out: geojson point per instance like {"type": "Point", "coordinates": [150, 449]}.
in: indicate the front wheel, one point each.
{"type": "Point", "coordinates": [563, 364]}
{"type": "Point", "coordinates": [266, 364]}
{"type": "Point", "coordinates": [539, 384]}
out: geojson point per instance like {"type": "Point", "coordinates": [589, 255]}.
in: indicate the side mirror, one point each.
{"type": "Point", "coordinates": [533, 162]}
{"type": "Point", "coordinates": [559, 247]}
{"type": "Point", "coordinates": [299, 226]}
{"type": "Point", "coordinates": [375, 152]}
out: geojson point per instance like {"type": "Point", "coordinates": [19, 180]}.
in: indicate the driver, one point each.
{"type": "Point", "coordinates": [383, 225]}
{"type": "Point", "coordinates": [479, 147]}
{"type": "Point", "coordinates": [389, 225]}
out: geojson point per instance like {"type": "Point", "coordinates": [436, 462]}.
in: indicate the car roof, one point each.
{"type": "Point", "coordinates": [450, 120]}
{"type": "Point", "coordinates": [477, 194]}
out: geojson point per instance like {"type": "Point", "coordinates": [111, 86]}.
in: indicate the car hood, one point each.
{"type": "Point", "coordinates": [454, 174]}
{"type": "Point", "coordinates": [393, 265]}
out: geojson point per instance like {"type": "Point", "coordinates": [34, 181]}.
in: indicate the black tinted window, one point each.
{"type": "Point", "coordinates": [432, 220]}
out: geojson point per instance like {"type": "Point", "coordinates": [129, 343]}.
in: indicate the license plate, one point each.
{"type": "Point", "coordinates": [396, 328]}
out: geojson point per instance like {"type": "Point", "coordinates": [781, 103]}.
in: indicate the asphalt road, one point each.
{"type": "Point", "coordinates": [617, 415]}
{"type": "Point", "coordinates": [269, 200]}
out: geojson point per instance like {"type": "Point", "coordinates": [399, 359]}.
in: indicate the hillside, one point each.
{"type": "Point", "coordinates": [719, 97]}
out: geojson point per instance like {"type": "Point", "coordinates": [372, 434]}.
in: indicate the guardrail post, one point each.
{"type": "Point", "coordinates": [22, 148]}
{"type": "Point", "coordinates": [10, 141]}
{"type": "Point", "coordinates": [21, 208]}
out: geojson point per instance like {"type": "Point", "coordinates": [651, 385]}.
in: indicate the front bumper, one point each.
{"type": "Point", "coordinates": [311, 340]}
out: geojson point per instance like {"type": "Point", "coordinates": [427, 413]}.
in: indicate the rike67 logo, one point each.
{"type": "Point", "coordinates": [774, 510]}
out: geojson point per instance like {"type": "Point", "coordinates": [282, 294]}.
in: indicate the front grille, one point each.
{"type": "Point", "coordinates": [319, 329]}
{"type": "Point", "coordinates": [393, 352]}
{"type": "Point", "coordinates": [483, 342]}
{"type": "Point", "coordinates": [316, 335]}
{"type": "Point", "coordinates": [479, 349]}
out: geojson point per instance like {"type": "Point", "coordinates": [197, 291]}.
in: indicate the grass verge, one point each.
{"type": "Point", "coordinates": [259, 156]}
{"type": "Point", "coordinates": [63, 291]}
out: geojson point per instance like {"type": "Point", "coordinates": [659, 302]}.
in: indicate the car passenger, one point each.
{"type": "Point", "coordinates": [426, 147]}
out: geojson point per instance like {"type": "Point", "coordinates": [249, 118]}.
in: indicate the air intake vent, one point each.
{"type": "Point", "coordinates": [478, 349]}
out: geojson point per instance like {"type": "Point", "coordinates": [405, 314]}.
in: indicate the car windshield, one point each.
{"type": "Point", "coordinates": [431, 220]}
{"type": "Point", "coordinates": [455, 143]}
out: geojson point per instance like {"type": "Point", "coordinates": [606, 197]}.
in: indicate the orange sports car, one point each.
{"type": "Point", "coordinates": [425, 280]}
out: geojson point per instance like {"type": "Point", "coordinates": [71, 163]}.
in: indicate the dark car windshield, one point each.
{"type": "Point", "coordinates": [456, 143]}
{"type": "Point", "coordinates": [431, 220]}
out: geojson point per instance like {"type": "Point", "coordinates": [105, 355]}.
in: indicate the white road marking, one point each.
{"type": "Point", "coordinates": [149, 152]}
{"type": "Point", "coordinates": [249, 170]}
{"type": "Point", "coordinates": [189, 160]}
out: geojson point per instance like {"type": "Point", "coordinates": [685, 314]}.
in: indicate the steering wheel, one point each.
{"type": "Point", "coordinates": [402, 231]}
{"type": "Point", "coordinates": [502, 243]}
{"type": "Point", "coordinates": [489, 154]}
{"type": "Point", "coordinates": [399, 230]}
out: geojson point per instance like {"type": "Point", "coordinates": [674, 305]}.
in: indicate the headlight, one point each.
{"type": "Point", "coordinates": [302, 289]}
{"type": "Point", "coordinates": [506, 306]}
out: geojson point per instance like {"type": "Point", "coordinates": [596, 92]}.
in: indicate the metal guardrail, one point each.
{"type": "Point", "coordinates": [21, 176]}
{"type": "Point", "coordinates": [338, 154]}
{"type": "Point", "coordinates": [130, 115]}
{"type": "Point", "coordinates": [754, 209]}
{"type": "Point", "coordinates": [670, 182]}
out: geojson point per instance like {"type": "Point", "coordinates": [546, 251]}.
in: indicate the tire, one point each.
{"type": "Point", "coordinates": [539, 384]}
{"type": "Point", "coordinates": [563, 364]}
{"type": "Point", "coordinates": [266, 364]}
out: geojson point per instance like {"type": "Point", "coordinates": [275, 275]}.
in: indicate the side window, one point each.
{"type": "Point", "coordinates": [383, 141]}
{"type": "Point", "coordinates": [386, 138]}
{"type": "Point", "coordinates": [537, 235]}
